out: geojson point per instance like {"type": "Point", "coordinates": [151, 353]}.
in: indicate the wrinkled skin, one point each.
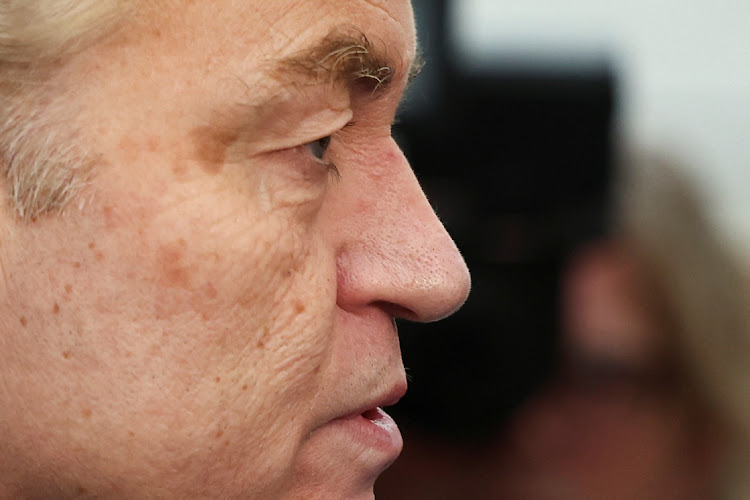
{"type": "Point", "coordinates": [215, 298]}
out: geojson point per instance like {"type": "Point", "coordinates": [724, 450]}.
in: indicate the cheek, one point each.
{"type": "Point", "coordinates": [254, 298]}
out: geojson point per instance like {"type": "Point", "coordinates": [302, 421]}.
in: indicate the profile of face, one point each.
{"type": "Point", "coordinates": [213, 314]}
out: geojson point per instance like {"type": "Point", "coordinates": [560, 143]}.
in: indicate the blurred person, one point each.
{"type": "Point", "coordinates": [207, 234]}
{"type": "Point", "coordinates": [651, 401]}
{"type": "Point", "coordinates": [651, 396]}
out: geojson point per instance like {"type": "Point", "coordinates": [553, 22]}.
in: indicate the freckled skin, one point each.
{"type": "Point", "coordinates": [195, 326]}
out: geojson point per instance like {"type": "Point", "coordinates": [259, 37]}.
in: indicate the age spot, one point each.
{"type": "Point", "coordinates": [212, 145]}
{"type": "Point", "coordinates": [174, 270]}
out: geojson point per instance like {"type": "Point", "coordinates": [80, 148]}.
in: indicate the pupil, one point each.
{"type": "Point", "coordinates": [320, 147]}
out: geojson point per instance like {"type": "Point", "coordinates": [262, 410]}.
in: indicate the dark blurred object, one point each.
{"type": "Point", "coordinates": [517, 165]}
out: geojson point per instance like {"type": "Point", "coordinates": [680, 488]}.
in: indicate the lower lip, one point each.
{"type": "Point", "coordinates": [375, 429]}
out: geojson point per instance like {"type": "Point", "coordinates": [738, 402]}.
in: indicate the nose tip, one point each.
{"type": "Point", "coordinates": [443, 286]}
{"type": "Point", "coordinates": [423, 283]}
{"type": "Point", "coordinates": [408, 262]}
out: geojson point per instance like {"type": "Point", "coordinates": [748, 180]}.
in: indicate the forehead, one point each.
{"type": "Point", "coordinates": [262, 31]}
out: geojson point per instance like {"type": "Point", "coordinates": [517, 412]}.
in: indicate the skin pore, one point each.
{"type": "Point", "coordinates": [215, 298]}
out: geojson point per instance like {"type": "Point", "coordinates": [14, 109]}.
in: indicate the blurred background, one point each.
{"type": "Point", "coordinates": [512, 128]}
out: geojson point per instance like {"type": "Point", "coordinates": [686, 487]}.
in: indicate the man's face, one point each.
{"type": "Point", "coordinates": [215, 315]}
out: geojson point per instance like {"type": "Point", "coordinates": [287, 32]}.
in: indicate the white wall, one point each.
{"type": "Point", "coordinates": [684, 67]}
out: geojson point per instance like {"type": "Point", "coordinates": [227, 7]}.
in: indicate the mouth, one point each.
{"type": "Point", "coordinates": [370, 426]}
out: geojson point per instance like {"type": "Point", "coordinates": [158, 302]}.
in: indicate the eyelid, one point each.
{"type": "Point", "coordinates": [310, 129]}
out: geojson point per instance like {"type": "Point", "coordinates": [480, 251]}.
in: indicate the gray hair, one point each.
{"type": "Point", "coordinates": [41, 163]}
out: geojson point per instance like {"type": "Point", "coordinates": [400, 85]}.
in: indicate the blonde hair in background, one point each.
{"type": "Point", "coordinates": [43, 166]}
{"type": "Point", "coordinates": [706, 289]}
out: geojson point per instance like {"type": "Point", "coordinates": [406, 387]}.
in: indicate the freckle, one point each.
{"type": "Point", "coordinates": [175, 272]}
{"type": "Point", "coordinates": [99, 256]}
{"type": "Point", "coordinates": [153, 143]}
{"type": "Point", "coordinates": [77, 265]}
{"type": "Point", "coordinates": [288, 273]}
{"type": "Point", "coordinates": [92, 245]}
{"type": "Point", "coordinates": [68, 288]}
{"type": "Point", "coordinates": [87, 413]}
{"type": "Point", "coordinates": [66, 355]}
{"type": "Point", "coordinates": [218, 379]}
{"type": "Point", "coordinates": [219, 433]}
{"type": "Point", "coordinates": [157, 33]}
{"type": "Point", "coordinates": [226, 443]}
{"type": "Point", "coordinates": [81, 490]}
{"type": "Point", "coordinates": [56, 308]}
{"type": "Point", "coordinates": [299, 307]}
{"type": "Point", "coordinates": [244, 387]}
{"type": "Point", "coordinates": [131, 433]}
{"type": "Point", "coordinates": [179, 169]}
{"type": "Point", "coordinates": [23, 321]}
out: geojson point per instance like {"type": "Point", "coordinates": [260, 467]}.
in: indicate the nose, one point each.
{"type": "Point", "coordinates": [395, 252]}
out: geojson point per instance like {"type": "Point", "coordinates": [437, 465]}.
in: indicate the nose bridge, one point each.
{"type": "Point", "coordinates": [397, 251]}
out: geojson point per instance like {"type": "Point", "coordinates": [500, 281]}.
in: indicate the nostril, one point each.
{"type": "Point", "coordinates": [398, 312]}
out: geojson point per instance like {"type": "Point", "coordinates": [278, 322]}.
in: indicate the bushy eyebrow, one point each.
{"type": "Point", "coordinates": [346, 57]}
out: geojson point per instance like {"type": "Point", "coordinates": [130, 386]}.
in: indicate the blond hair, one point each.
{"type": "Point", "coordinates": [705, 288]}
{"type": "Point", "coordinates": [42, 165]}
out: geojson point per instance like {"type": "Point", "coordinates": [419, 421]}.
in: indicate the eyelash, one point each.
{"type": "Point", "coordinates": [318, 150]}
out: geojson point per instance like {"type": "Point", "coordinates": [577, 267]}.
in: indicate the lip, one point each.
{"type": "Point", "coordinates": [372, 427]}
{"type": "Point", "coordinates": [390, 398]}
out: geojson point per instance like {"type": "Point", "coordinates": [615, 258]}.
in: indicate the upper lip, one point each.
{"type": "Point", "coordinates": [387, 398]}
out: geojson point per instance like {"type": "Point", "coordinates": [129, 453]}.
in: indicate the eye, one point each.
{"type": "Point", "coordinates": [319, 148]}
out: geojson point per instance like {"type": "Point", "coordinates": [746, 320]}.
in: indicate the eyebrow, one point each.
{"type": "Point", "coordinates": [346, 57]}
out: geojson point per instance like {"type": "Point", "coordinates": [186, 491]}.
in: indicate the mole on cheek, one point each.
{"type": "Point", "coordinates": [23, 321]}
{"type": "Point", "coordinates": [56, 308]}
